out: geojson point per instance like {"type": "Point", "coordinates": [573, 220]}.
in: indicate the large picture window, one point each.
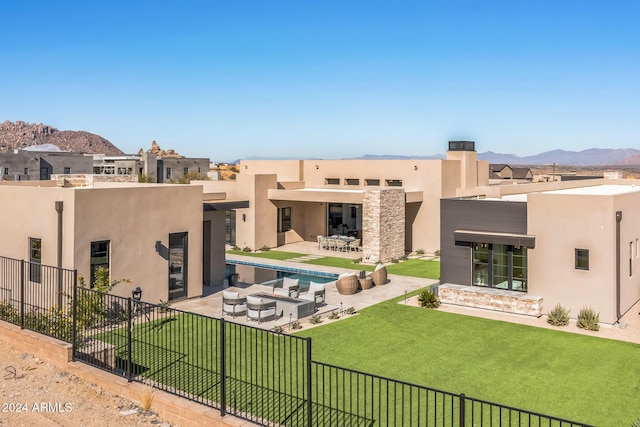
{"type": "Point", "coordinates": [99, 258]}
{"type": "Point", "coordinates": [284, 219]}
{"type": "Point", "coordinates": [499, 266]}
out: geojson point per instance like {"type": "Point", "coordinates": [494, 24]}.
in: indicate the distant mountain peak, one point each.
{"type": "Point", "coordinates": [19, 135]}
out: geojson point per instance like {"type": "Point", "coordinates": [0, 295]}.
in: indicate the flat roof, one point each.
{"type": "Point", "coordinates": [598, 190]}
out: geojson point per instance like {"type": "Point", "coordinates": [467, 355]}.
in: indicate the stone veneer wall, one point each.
{"type": "Point", "coordinates": [87, 180]}
{"type": "Point", "coordinates": [491, 299]}
{"type": "Point", "coordinates": [383, 224]}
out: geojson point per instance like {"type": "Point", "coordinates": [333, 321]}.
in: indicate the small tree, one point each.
{"type": "Point", "coordinates": [91, 306]}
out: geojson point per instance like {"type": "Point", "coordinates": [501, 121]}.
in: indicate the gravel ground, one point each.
{"type": "Point", "coordinates": [34, 393]}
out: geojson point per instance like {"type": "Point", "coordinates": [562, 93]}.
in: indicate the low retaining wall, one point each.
{"type": "Point", "coordinates": [491, 299]}
{"type": "Point", "coordinates": [169, 407]}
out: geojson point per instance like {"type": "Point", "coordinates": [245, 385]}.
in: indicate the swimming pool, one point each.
{"type": "Point", "coordinates": [264, 274]}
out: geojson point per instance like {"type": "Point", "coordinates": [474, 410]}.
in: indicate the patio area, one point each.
{"type": "Point", "coordinates": [210, 303]}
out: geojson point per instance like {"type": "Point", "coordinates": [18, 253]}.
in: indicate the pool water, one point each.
{"type": "Point", "coordinates": [266, 275]}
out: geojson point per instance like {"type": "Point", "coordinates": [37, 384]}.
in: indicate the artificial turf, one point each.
{"type": "Point", "coordinates": [583, 378]}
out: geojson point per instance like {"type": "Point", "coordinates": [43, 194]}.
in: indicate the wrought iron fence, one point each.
{"type": "Point", "coordinates": [37, 297]}
{"type": "Point", "coordinates": [258, 375]}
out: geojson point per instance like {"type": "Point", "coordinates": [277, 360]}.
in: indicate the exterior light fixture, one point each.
{"type": "Point", "coordinates": [244, 217]}
{"type": "Point", "coordinates": [317, 167]}
{"type": "Point", "coordinates": [415, 167]}
{"type": "Point", "coordinates": [158, 246]}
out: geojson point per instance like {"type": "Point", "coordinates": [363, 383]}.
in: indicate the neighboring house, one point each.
{"type": "Point", "coordinates": [161, 169]}
{"type": "Point", "coordinates": [527, 248]}
{"type": "Point", "coordinates": [391, 205]}
{"type": "Point", "coordinates": [35, 164]}
{"type": "Point", "coordinates": [164, 238]}
{"type": "Point", "coordinates": [499, 171]}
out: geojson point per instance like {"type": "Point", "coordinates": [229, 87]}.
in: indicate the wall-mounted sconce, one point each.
{"type": "Point", "coordinates": [317, 167]}
{"type": "Point", "coordinates": [136, 294]}
{"type": "Point", "coordinates": [246, 167]}
{"type": "Point", "coordinates": [158, 246]}
{"type": "Point", "coordinates": [415, 167]}
{"type": "Point", "coordinates": [244, 217]}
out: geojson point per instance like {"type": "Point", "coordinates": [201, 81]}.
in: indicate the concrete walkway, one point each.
{"type": "Point", "coordinates": [211, 303]}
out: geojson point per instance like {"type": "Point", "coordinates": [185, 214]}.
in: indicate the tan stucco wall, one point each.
{"type": "Point", "coordinates": [259, 226]}
{"type": "Point", "coordinates": [133, 219]}
{"type": "Point", "coordinates": [30, 212]}
{"type": "Point", "coordinates": [287, 170]}
{"type": "Point", "coordinates": [562, 223]}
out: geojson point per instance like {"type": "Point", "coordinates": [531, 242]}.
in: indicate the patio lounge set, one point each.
{"type": "Point", "coordinates": [287, 301]}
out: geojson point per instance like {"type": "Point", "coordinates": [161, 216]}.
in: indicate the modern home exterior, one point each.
{"type": "Point", "coordinates": [393, 206]}
{"type": "Point", "coordinates": [164, 238]}
{"type": "Point", "coordinates": [30, 165]}
{"type": "Point", "coordinates": [526, 248]}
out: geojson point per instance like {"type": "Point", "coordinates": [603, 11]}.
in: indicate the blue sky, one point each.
{"type": "Point", "coordinates": [330, 79]}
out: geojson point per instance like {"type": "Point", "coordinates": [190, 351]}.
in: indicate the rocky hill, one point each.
{"type": "Point", "coordinates": [16, 135]}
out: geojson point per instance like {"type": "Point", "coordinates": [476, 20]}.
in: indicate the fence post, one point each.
{"type": "Point", "coordinates": [223, 368]}
{"type": "Point", "coordinates": [21, 294]}
{"type": "Point", "coordinates": [129, 327]}
{"type": "Point", "coordinates": [74, 325]}
{"type": "Point", "coordinates": [309, 385]}
{"type": "Point", "coordinates": [462, 407]}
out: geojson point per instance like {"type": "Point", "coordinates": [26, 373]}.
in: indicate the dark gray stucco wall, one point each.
{"type": "Point", "coordinates": [13, 165]}
{"type": "Point", "coordinates": [478, 215]}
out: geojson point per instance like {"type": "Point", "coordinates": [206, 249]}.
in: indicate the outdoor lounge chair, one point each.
{"type": "Point", "coordinates": [258, 309]}
{"type": "Point", "coordinates": [347, 283]}
{"type": "Point", "coordinates": [289, 288]}
{"type": "Point", "coordinates": [233, 303]}
{"type": "Point", "coordinates": [315, 293]}
{"type": "Point", "coordinates": [379, 275]}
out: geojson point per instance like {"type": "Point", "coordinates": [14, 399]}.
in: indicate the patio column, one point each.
{"type": "Point", "coordinates": [383, 219]}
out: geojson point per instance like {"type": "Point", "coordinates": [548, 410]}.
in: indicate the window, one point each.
{"type": "Point", "coordinates": [352, 181]}
{"type": "Point", "coordinates": [185, 171]}
{"type": "Point", "coordinates": [332, 181]}
{"type": "Point", "coordinates": [67, 170]}
{"type": "Point", "coordinates": [499, 266]}
{"type": "Point", "coordinates": [44, 174]}
{"type": "Point", "coordinates": [26, 171]}
{"type": "Point", "coordinates": [168, 173]}
{"type": "Point", "coordinates": [582, 259]}
{"type": "Point", "coordinates": [394, 183]}
{"type": "Point", "coordinates": [35, 260]}
{"type": "Point", "coordinates": [284, 219]}
{"type": "Point", "coordinates": [230, 228]}
{"type": "Point", "coordinates": [6, 171]}
{"type": "Point", "coordinates": [99, 258]}
{"type": "Point", "coordinates": [198, 169]}
{"type": "Point", "coordinates": [375, 182]}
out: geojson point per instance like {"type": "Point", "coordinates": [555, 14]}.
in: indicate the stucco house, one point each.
{"type": "Point", "coordinates": [525, 248]}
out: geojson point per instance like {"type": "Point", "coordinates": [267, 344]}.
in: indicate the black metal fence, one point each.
{"type": "Point", "coordinates": [258, 375]}
{"type": "Point", "coordinates": [37, 297]}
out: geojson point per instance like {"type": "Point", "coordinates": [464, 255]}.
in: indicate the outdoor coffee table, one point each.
{"type": "Point", "coordinates": [285, 306]}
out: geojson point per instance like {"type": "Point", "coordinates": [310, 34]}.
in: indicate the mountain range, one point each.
{"type": "Point", "coordinates": [19, 134]}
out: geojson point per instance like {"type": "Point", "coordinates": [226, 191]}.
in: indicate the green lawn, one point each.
{"type": "Point", "coordinates": [332, 261]}
{"type": "Point", "coordinates": [582, 378]}
{"type": "Point", "coordinates": [427, 269]}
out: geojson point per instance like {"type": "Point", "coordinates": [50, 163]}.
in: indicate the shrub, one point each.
{"type": "Point", "coordinates": [315, 319]}
{"type": "Point", "coordinates": [404, 257]}
{"type": "Point", "coordinates": [9, 312]}
{"type": "Point", "coordinates": [246, 249]}
{"type": "Point", "coordinates": [558, 316]}
{"type": "Point", "coordinates": [236, 248]}
{"type": "Point", "coordinates": [395, 260]}
{"type": "Point", "coordinates": [428, 299]}
{"type": "Point", "coordinates": [278, 329]}
{"type": "Point", "coordinates": [357, 260]}
{"type": "Point", "coordinates": [143, 178]}
{"type": "Point", "coordinates": [420, 251]}
{"type": "Point", "coordinates": [437, 253]}
{"type": "Point", "coordinates": [265, 248]}
{"type": "Point", "coordinates": [588, 319]}
{"type": "Point", "coordinates": [350, 310]}
{"type": "Point", "coordinates": [296, 325]}
{"type": "Point", "coordinates": [334, 315]}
